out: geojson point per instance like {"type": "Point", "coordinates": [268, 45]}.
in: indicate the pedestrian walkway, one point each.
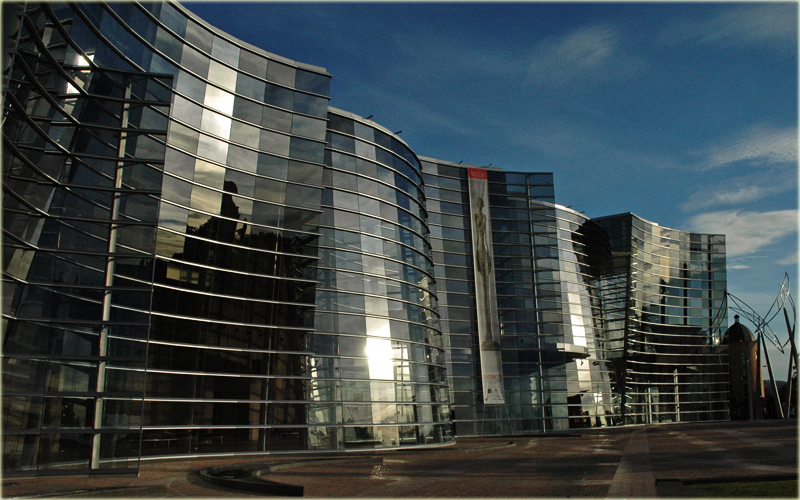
{"type": "Point", "coordinates": [616, 462]}
{"type": "Point", "coordinates": [634, 476]}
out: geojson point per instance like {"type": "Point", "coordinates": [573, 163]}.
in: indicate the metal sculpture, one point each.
{"type": "Point", "coordinates": [783, 302]}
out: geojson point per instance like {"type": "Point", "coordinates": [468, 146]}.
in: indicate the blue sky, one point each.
{"type": "Point", "coordinates": [683, 113]}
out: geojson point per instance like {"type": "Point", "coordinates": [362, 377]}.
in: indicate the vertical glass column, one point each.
{"type": "Point", "coordinates": [82, 166]}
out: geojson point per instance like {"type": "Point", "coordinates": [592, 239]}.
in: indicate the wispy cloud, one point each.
{"type": "Point", "coordinates": [594, 52]}
{"type": "Point", "coordinates": [746, 232]}
{"type": "Point", "coordinates": [738, 192]}
{"type": "Point", "coordinates": [772, 26]}
{"type": "Point", "coordinates": [760, 144]}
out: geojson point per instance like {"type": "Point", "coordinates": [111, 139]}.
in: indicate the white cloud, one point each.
{"type": "Point", "coordinates": [592, 52]}
{"type": "Point", "coordinates": [772, 26]}
{"type": "Point", "coordinates": [760, 144]}
{"type": "Point", "coordinates": [738, 266]}
{"type": "Point", "coordinates": [746, 232]}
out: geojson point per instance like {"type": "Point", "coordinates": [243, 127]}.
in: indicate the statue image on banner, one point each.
{"type": "Point", "coordinates": [485, 295]}
{"type": "Point", "coordinates": [484, 267]}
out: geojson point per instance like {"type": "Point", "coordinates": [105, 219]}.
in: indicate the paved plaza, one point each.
{"type": "Point", "coordinates": [626, 462]}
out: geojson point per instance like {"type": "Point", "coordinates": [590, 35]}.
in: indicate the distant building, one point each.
{"type": "Point", "coordinates": [746, 386]}
{"type": "Point", "coordinates": [203, 257]}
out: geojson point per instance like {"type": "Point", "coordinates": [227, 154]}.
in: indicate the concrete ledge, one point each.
{"type": "Point", "coordinates": [243, 479]}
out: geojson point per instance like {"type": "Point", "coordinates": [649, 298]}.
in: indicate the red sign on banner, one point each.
{"type": "Point", "coordinates": [477, 173]}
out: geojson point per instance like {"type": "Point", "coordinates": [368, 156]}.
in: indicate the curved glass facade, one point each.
{"type": "Point", "coordinates": [202, 257]}
{"type": "Point", "coordinates": [548, 261]}
{"type": "Point", "coordinates": [665, 292]}
{"type": "Point", "coordinates": [378, 373]}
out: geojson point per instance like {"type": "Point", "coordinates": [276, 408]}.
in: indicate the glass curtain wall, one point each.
{"type": "Point", "coordinates": [535, 346]}
{"type": "Point", "coordinates": [378, 375]}
{"type": "Point", "coordinates": [236, 248]}
{"type": "Point", "coordinates": [84, 129]}
{"type": "Point", "coordinates": [665, 292]}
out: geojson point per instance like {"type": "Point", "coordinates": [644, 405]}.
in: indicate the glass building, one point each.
{"type": "Point", "coordinates": [665, 313]}
{"type": "Point", "coordinates": [202, 257]}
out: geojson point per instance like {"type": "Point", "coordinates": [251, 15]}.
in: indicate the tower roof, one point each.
{"type": "Point", "coordinates": [738, 333]}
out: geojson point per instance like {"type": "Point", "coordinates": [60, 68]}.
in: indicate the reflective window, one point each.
{"type": "Point", "coordinates": [187, 111]}
{"type": "Point", "coordinates": [219, 99]}
{"type": "Point", "coordinates": [239, 182]}
{"type": "Point", "coordinates": [198, 36]}
{"type": "Point", "coordinates": [308, 127]}
{"type": "Point", "coordinates": [183, 137]}
{"type": "Point", "coordinates": [195, 61]}
{"type": "Point", "coordinates": [269, 190]}
{"type": "Point", "coordinates": [280, 73]}
{"type": "Point", "coordinates": [168, 45]}
{"type": "Point", "coordinates": [274, 143]}
{"type": "Point", "coordinates": [247, 110]}
{"type": "Point", "coordinates": [250, 87]}
{"type": "Point", "coordinates": [209, 174]}
{"type": "Point", "coordinates": [173, 19]}
{"type": "Point", "coordinates": [276, 119]}
{"type": "Point", "coordinates": [179, 163]}
{"type": "Point", "coordinates": [245, 134]}
{"type": "Point", "coordinates": [205, 199]}
{"type": "Point", "coordinates": [191, 86]}
{"type": "Point", "coordinates": [213, 149]}
{"type": "Point", "coordinates": [311, 105]}
{"type": "Point", "coordinates": [176, 190]}
{"type": "Point", "coordinates": [312, 82]}
{"type": "Point", "coordinates": [272, 166]}
{"type": "Point", "coordinates": [215, 123]}
{"type": "Point", "coordinates": [222, 75]}
{"type": "Point", "coordinates": [241, 158]}
{"type": "Point", "coordinates": [172, 217]}
{"type": "Point", "coordinates": [225, 51]}
{"type": "Point", "coordinates": [278, 96]}
{"type": "Point", "coordinates": [253, 64]}
{"type": "Point", "coordinates": [307, 150]}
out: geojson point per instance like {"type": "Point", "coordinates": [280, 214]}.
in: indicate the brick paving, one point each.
{"type": "Point", "coordinates": [624, 462]}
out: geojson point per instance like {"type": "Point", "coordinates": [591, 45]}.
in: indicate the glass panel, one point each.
{"type": "Point", "coordinates": [191, 86]}
{"type": "Point", "coordinates": [215, 123]}
{"type": "Point", "coordinates": [309, 127]}
{"type": "Point", "coordinates": [274, 142]}
{"type": "Point", "coordinates": [222, 75]}
{"type": "Point", "coordinates": [250, 87]}
{"type": "Point", "coordinates": [172, 217]}
{"type": "Point", "coordinates": [243, 159]}
{"type": "Point", "coordinates": [225, 51]}
{"type": "Point", "coordinates": [276, 119]}
{"type": "Point", "coordinates": [247, 110]}
{"type": "Point", "coordinates": [239, 182]}
{"type": "Point", "coordinates": [176, 190]}
{"type": "Point", "coordinates": [179, 163]}
{"type": "Point", "coordinates": [279, 96]}
{"type": "Point", "coordinates": [173, 19]}
{"type": "Point", "coordinates": [209, 174]}
{"type": "Point", "coordinates": [213, 149]}
{"type": "Point", "coordinates": [280, 73]}
{"type": "Point", "coordinates": [205, 199]}
{"type": "Point", "coordinates": [245, 134]}
{"type": "Point", "coordinates": [311, 105]}
{"type": "Point", "coordinates": [195, 61]}
{"type": "Point", "coordinates": [183, 137]}
{"type": "Point", "coordinates": [253, 64]}
{"type": "Point", "coordinates": [269, 190]}
{"type": "Point", "coordinates": [219, 99]}
{"type": "Point", "coordinates": [312, 82]}
{"type": "Point", "coordinates": [199, 36]}
{"type": "Point", "coordinates": [187, 111]}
